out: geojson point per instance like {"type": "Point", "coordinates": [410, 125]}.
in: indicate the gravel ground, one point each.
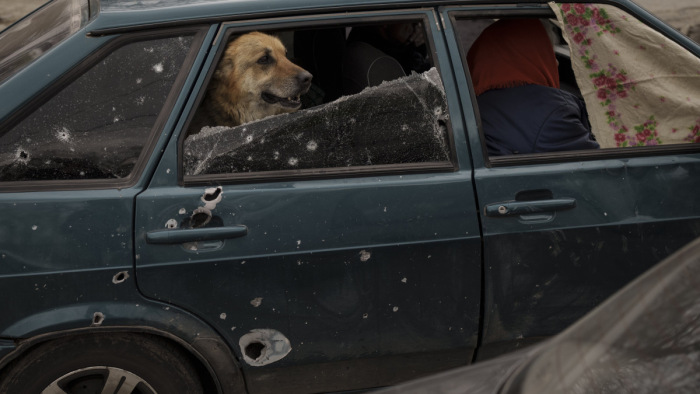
{"type": "Point", "coordinates": [11, 10]}
{"type": "Point", "coordinates": [683, 15]}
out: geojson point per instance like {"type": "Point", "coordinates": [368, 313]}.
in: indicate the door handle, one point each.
{"type": "Point", "coordinates": [513, 208]}
{"type": "Point", "coordinates": [179, 236]}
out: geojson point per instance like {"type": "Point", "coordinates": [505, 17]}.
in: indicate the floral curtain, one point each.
{"type": "Point", "coordinates": [640, 88]}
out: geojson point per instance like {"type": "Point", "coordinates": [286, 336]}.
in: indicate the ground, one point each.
{"type": "Point", "coordinates": [11, 10]}
{"type": "Point", "coordinates": [683, 15]}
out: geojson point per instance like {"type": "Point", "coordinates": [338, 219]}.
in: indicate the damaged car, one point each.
{"type": "Point", "coordinates": [359, 236]}
{"type": "Point", "coordinates": [644, 339]}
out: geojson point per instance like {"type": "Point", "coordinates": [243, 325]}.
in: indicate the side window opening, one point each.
{"type": "Point", "coordinates": [468, 30]}
{"type": "Point", "coordinates": [98, 125]}
{"type": "Point", "coordinates": [527, 101]}
{"type": "Point", "coordinates": [374, 99]}
{"type": "Point", "coordinates": [637, 87]}
{"type": "Point", "coordinates": [642, 89]}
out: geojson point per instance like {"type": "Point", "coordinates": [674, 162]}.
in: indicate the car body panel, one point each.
{"type": "Point", "coordinates": [6, 348]}
{"type": "Point", "coordinates": [319, 265]}
{"type": "Point", "coordinates": [554, 271]}
{"type": "Point", "coordinates": [642, 338]}
{"type": "Point", "coordinates": [390, 275]}
{"type": "Point", "coordinates": [68, 234]}
{"type": "Point", "coordinates": [546, 269]}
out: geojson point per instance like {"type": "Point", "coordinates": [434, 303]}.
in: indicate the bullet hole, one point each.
{"type": "Point", "coordinates": [171, 224]}
{"type": "Point", "coordinates": [120, 277]}
{"type": "Point", "coordinates": [365, 255]}
{"type": "Point", "coordinates": [200, 217]}
{"type": "Point", "coordinates": [63, 135]}
{"type": "Point", "coordinates": [212, 195]}
{"type": "Point", "coordinates": [264, 346]}
{"type": "Point", "coordinates": [256, 302]}
{"type": "Point", "coordinates": [22, 156]}
{"type": "Point", "coordinates": [254, 350]}
{"type": "Point", "coordinates": [97, 319]}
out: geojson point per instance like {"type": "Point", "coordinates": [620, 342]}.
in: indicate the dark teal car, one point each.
{"type": "Point", "coordinates": [364, 240]}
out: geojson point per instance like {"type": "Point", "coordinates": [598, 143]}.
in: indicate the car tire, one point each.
{"type": "Point", "coordinates": [123, 363]}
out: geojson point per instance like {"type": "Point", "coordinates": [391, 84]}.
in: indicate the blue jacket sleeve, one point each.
{"type": "Point", "coordinates": [566, 127]}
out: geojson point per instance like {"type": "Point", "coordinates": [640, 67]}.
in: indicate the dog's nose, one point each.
{"type": "Point", "coordinates": [304, 78]}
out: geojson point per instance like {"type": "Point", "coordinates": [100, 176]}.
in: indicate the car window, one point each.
{"type": "Point", "coordinates": [97, 126]}
{"type": "Point", "coordinates": [620, 84]}
{"type": "Point", "coordinates": [370, 104]}
{"type": "Point", "coordinates": [641, 88]}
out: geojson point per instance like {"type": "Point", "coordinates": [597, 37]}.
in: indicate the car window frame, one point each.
{"type": "Point", "coordinates": [543, 11]}
{"type": "Point", "coordinates": [227, 29]}
{"type": "Point", "coordinates": [198, 34]}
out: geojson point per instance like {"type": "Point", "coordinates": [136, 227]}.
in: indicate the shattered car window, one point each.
{"type": "Point", "coordinates": [97, 126]}
{"type": "Point", "coordinates": [398, 122]}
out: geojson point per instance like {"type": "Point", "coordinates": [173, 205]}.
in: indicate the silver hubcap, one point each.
{"type": "Point", "coordinates": [105, 380]}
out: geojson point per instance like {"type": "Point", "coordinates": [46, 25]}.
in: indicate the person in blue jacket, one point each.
{"type": "Point", "coordinates": [516, 80]}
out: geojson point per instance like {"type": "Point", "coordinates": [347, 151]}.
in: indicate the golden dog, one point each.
{"type": "Point", "coordinates": [253, 80]}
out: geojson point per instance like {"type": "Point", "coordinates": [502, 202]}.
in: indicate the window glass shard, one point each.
{"type": "Point", "coordinates": [399, 122]}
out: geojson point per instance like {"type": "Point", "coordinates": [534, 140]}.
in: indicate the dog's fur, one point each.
{"type": "Point", "coordinates": [253, 80]}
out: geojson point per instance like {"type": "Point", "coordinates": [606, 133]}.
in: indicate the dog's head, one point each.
{"type": "Point", "coordinates": [255, 78]}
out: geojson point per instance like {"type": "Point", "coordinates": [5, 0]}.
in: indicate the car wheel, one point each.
{"type": "Point", "coordinates": [100, 363]}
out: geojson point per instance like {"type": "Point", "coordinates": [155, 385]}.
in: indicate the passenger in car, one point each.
{"type": "Point", "coordinates": [514, 73]}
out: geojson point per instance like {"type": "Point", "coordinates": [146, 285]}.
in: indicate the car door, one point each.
{"type": "Point", "coordinates": [564, 230]}
{"type": "Point", "coordinates": [335, 276]}
{"type": "Point", "coordinates": [72, 159]}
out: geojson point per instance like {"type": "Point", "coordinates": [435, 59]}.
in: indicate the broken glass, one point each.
{"type": "Point", "coordinates": [97, 126]}
{"type": "Point", "coordinates": [399, 122]}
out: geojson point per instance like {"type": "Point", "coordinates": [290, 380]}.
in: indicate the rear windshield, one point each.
{"type": "Point", "coordinates": [31, 37]}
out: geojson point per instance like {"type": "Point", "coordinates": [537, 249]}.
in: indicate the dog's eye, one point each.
{"type": "Point", "coordinates": [265, 60]}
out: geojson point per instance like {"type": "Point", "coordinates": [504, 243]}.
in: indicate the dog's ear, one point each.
{"type": "Point", "coordinates": [224, 69]}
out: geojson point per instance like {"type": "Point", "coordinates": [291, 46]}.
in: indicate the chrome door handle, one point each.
{"type": "Point", "coordinates": [513, 208]}
{"type": "Point", "coordinates": [179, 236]}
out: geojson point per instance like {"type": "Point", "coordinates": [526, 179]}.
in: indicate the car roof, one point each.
{"type": "Point", "coordinates": [125, 14]}
{"type": "Point", "coordinates": [264, 5]}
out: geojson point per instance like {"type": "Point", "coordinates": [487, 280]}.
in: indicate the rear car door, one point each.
{"type": "Point", "coordinates": [71, 163]}
{"type": "Point", "coordinates": [368, 259]}
{"type": "Point", "coordinates": [564, 230]}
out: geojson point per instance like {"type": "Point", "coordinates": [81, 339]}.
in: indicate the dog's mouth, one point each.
{"type": "Point", "coordinates": [288, 102]}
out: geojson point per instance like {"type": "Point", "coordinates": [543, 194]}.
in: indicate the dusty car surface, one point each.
{"type": "Point", "coordinates": [643, 339]}
{"type": "Point", "coordinates": [360, 241]}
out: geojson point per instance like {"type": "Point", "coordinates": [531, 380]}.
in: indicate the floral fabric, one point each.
{"type": "Point", "coordinates": [640, 88]}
